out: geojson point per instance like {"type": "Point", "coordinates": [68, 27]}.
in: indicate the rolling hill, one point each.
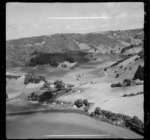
{"type": "Point", "coordinates": [73, 46]}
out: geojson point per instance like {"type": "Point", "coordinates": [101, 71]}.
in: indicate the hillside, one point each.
{"type": "Point", "coordinates": [116, 42]}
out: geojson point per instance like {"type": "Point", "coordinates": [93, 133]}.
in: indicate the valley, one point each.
{"type": "Point", "coordinates": [62, 68]}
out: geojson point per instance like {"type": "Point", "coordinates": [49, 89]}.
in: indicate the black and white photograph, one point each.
{"type": "Point", "coordinates": [75, 70]}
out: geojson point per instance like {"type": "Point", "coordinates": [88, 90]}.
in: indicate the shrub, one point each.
{"type": "Point", "coordinates": [127, 82]}
{"type": "Point", "coordinates": [86, 109]}
{"type": "Point", "coordinates": [32, 94]}
{"type": "Point", "coordinates": [108, 114]}
{"type": "Point", "coordinates": [121, 66]}
{"type": "Point", "coordinates": [70, 85]}
{"type": "Point", "coordinates": [92, 114]}
{"type": "Point", "coordinates": [85, 102]}
{"type": "Point", "coordinates": [125, 95]}
{"type": "Point", "coordinates": [36, 97]}
{"type": "Point", "coordinates": [29, 96]}
{"type": "Point", "coordinates": [116, 85]}
{"type": "Point", "coordinates": [59, 85]}
{"type": "Point", "coordinates": [117, 75]}
{"type": "Point", "coordinates": [32, 78]}
{"type": "Point", "coordinates": [79, 103]}
{"type": "Point", "coordinates": [97, 111]}
{"type": "Point", "coordinates": [105, 69]}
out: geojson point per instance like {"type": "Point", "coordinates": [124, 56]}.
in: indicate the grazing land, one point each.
{"type": "Point", "coordinates": [76, 73]}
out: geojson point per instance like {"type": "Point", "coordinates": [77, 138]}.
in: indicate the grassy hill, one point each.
{"type": "Point", "coordinates": [53, 48]}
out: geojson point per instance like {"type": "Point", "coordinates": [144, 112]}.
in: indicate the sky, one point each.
{"type": "Point", "coordinates": [35, 19]}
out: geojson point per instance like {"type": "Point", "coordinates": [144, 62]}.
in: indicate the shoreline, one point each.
{"type": "Point", "coordinates": [64, 110]}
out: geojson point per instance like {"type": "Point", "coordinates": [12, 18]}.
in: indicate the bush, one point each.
{"type": "Point", "coordinates": [79, 103]}
{"type": "Point", "coordinates": [86, 109]}
{"type": "Point", "coordinates": [116, 85]}
{"type": "Point", "coordinates": [32, 78]}
{"type": "Point", "coordinates": [121, 66]}
{"type": "Point", "coordinates": [32, 94]}
{"type": "Point", "coordinates": [36, 97]}
{"type": "Point", "coordinates": [59, 85]}
{"type": "Point", "coordinates": [127, 82]}
{"type": "Point", "coordinates": [105, 69]}
{"type": "Point", "coordinates": [85, 102]}
{"type": "Point", "coordinates": [70, 85]}
{"type": "Point", "coordinates": [97, 111]}
{"type": "Point", "coordinates": [92, 114]}
{"type": "Point", "coordinates": [29, 96]}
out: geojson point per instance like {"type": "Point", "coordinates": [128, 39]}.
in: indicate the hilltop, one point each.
{"type": "Point", "coordinates": [21, 52]}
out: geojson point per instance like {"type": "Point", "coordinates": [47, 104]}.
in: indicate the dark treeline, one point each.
{"type": "Point", "coordinates": [56, 58]}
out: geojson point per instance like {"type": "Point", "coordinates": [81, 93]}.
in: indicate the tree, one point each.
{"type": "Point", "coordinates": [127, 82]}
{"type": "Point", "coordinates": [117, 75]}
{"type": "Point", "coordinates": [116, 85]}
{"type": "Point", "coordinates": [79, 103]}
{"type": "Point", "coordinates": [32, 94]}
{"type": "Point", "coordinates": [97, 111]}
{"type": "Point", "coordinates": [32, 78]}
{"type": "Point", "coordinates": [92, 114]}
{"type": "Point", "coordinates": [45, 96]}
{"type": "Point", "coordinates": [59, 85]}
{"type": "Point", "coordinates": [85, 102]}
{"type": "Point", "coordinates": [105, 69]}
{"type": "Point", "coordinates": [36, 97]}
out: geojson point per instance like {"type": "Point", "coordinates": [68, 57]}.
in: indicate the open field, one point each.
{"type": "Point", "coordinates": [100, 93]}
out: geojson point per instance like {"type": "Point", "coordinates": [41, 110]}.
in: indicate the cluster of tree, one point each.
{"type": "Point", "coordinates": [126, 82]}
{"type": "Point", "coordinates": [56, 58]}
{"type": "Point", "coordinates": [32, 78]}
{"type": "Point", "coordinates": [12, 76]}
{"type": "Point", "coordinates": [40, 98]}
{"type": "Point", "coordinates": [132, 94]}
{"type": "Point", "coordinates": [133, 123]}
{"type": "Point", "coordinates": [33, 97]}
{"type": "Point", "coordinates": [127, 48]}
{"type": "Point", "coordinates": [46, 85]}
{"type": "Point", "coordinates": [119, 61]}
{"type": "Point", "coordinates": [116, 84]}
{"type": "Point", "coordinates": [79, 103]}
